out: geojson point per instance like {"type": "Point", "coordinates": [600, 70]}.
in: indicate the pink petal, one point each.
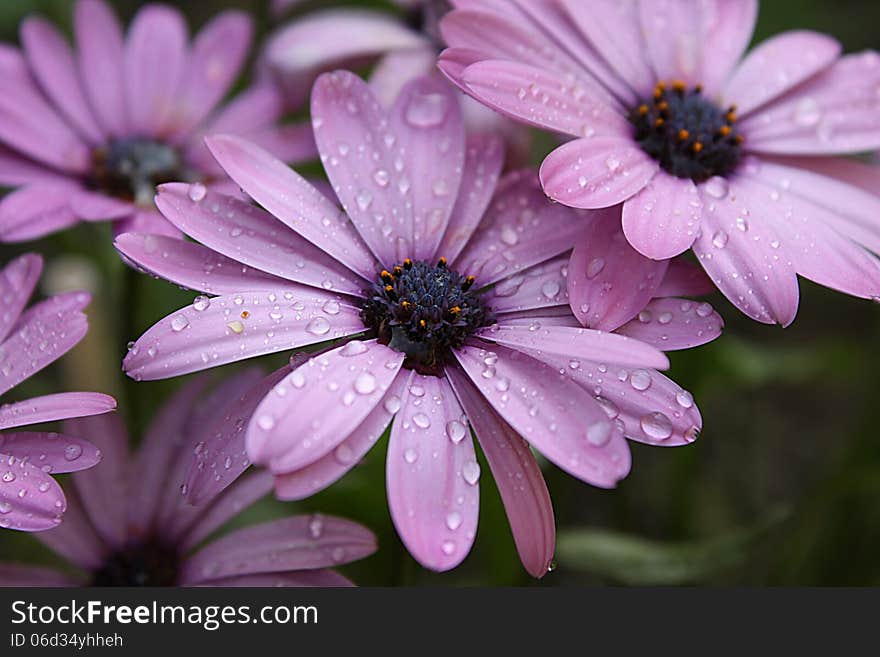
{"type": "Point", "coordinates": [726, 29]}
{"type": "Point", "coordinates": [146, 221]}
{"type": "Point", "coordinates": [217, 55]}
{"type": "Point", "coordinates": [742, 253]}
{"type": "Point", "coordinates": [837, 111]}
{"type": "Point", "coordinates": [670, 324]}
{"type": "Point", "coordinates": [609, 282]}
{"type": "Point", "coordinates": [520, 229]}
{"type": "Point", "coordinates": [30, 500]}
{"type": "Point", "coordinates": [300, 420]}
{"type": "Point", "coordinates": [22, 575]}
{"type": "Point", "coordinates": [613, 29]}
{"type": "Point", "coordinates": [684, 279]}
{"type": "Point", "coordinates": [103, 491]}
{"type": "Point", "coordinates": [60, 406]}
{"type": "Point", "coordinates": [40, 340]}
{"type": "Point", "coordinates": [239, 326]}
{"type": "Point", "coordinates": [155, 59]}
{"type": "Point", "coordinates": [195, 266]}
{"type": "Point", "coordinates": [597, 172]}
{"type": "Point", "coordinates": [100, 54]}
{"type": "Point", "coordinates": [94, 206]}
{"type": "Point", "coordinates": [52, 63]}
{"type": "Point", "coordinates": [51, 452]}
{"type": "Point", "coordinates": [17, 170]}
{"type": "Point", "coordinates": [36, 210]}
{"type": "Point", "coordinates": [295, 578]}
{"type": "Point", "coordinates": [244, 491]}
{"type": "Point", "coordinates": [541, 286]}
{"type": "Point", "coordinates": [295, 543]}
{"type": "Point", "coordinates": [323, 472]}
{"type": "Point", "coordinates": [650, 407]}
{"type": "Point", "coordinates": [484, 159]}
{"type": "Point", "coordinates": [75, 539]}
{"type": "Point", "coordinates": [778, 65]}
{"type": "Point", "coordinates": [222, 455]}
{"type": "Point", "coordinates": [552, 412]}
{"type": "Point", "coordinates": [398, 67]}
{"type": "Point", "coordinates": [538, 340]}
{"type": "Point", "coordinates": [17, 281]}
{"type": "Point", "coordinates": [432, 475]}
{"type": "Point", "coordinates": [517, 475]}
{"type": "Point", "coordinates": [290, 198]}
{"type": "Point", "coordinates": [253, 237]}
{"type": "Point", "coordinates": [663, 219]}
{"type": "Point", "coordinates": [332, 38]}
{"type": "Point", "coordinates": [542, 98]}
{"type": "Point", "coordinates": [289, 142]}
{"type": "Point", "coordinates": [154, 457]}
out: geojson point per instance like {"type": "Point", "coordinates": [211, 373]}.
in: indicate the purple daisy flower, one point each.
{"type": "Point", "coordinates": [127, 523]}
{"type": "Point", "coordinates": [87, 134]}
{"type": "Point", "coordinates": [708, 150]}
{"type": "Point", "coordinates": [439, 295]}
{"type": "Point", "coordinates": [30, 499]}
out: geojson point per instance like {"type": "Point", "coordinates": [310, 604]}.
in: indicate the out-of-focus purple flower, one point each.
{"type": "Point", "coordinates": [128, 523]}
{"type": "Point", "coordinates": [345, 37]}
{"type": "Point", "coordinates": [86, 134]}
{"type": "Point", "coordinates": [439, 295]}
{"type": "Point", "coordinates": [31, 339]}
{"type": "Point", "coordinates": [730, 156]}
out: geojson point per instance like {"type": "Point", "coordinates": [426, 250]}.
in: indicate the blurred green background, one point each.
{"type": "Point", "coordinates": [782, 487]}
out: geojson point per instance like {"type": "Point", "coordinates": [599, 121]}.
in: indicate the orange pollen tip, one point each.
{"type": "Point", "coordinates": [643, 109]}
{"type": "Point", "coordinates": [405, 305]}
{"type": "Point", "coordinates": [389, 288]}
{"type": "Point", "coordinates": [697, 147]}
{"type": "Point", "coordinates": [441, 262]}
{"type": "Point", "coordinates": [739, 139]}
{"type": "Point", "coordinates": [398, 271]}
{"type": "Point", "coordinates": [659, 122]}
{"type": "Point", "coordinates": [470, 280]}
{"type": "Point", "coordinates": [731, 117]}
{"type": "Point", "coordinates": [683, 134]}
{"type": "Point", "coordinates": [678, 85]}
{"type": "Point", "coordinates": [245, 314]}
{"type": "Point", "coordinates": [724, 130]}
{"type": "Point", "coordinates": [407, 263]}
{"type": "Point", "coordinates": [422, 323]}
{"type": "Point", "coordinates": [455, 310]}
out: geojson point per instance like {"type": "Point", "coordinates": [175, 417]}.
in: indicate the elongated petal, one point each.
{"type": "Point", "coordinates": [745, 258]}
{"type": "Point", "coordinates": [684, 279]}
{"type": "Point", "coordinates": [837, 111]}
{"type": "Point", "coordinates": [44, 337]}
{"type": "Point", "coordinates": [294, 201]}
{"type": "Point", "coordinates": [517, 475]}
{"type": "Point", "coordinates": [238, 326]}
{"type": "Point", "coordinates": [52, 452]}
{"type": "Point", "coordinates": [777, 65]}
{"type": "Point", "coordinates": [521, 229]}
{"type": "Point", "coordinates": [30, 500]}
{"type": "Point", "coordinates": [155, 57]}
{"type": "Point", "coordinates": [541, 286]}
{"type": "Point", "coordinates": [75, 538]}
{"type": "Point", "coordinates": [432, 476]}
{"type": "Point", "coordinates": [51, 61]}
{"type": "Point", "coordinates": [195, 266]}
{"type": "Point", "coordinates": [608, 280]}
{"type": "Point", "coordinates": [17, 281]}
{"type": "Point", "coordinates": [551, 411]}
{"type": "Point", "coordinates": [588, 344]}
{"type": "Point", "coordinates": [217, 55]}
{"type": "Point", "coordinates": [297, 543]}
{"type": "Point", "coordinates": [484, 159]}
{"type": "Point", "coordinates": [597, 172]}
{"type": "Point", "coordinates": [316, 476]}
{"type": "Point", "coordinates": [36, 210]}
{"type": "Point", "coordinates": [100, 49]}
{"type": "Point", "coordinates": [299, 421]}
{"type": "Point", "coordinates": [650, 407]}
{"type": "Point", "coordinates": [253, 237]}
{"type": "Point", "coordinates": [60, 406]}
{"type": "Point", "coordinates": [662, 220]}
{"type": "Point", "coordinates": [670, 324]}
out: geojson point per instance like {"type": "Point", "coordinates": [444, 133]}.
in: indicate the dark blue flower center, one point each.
{"type": "Point", "coordinates": [146, 563]}
{"type": "Point", "coordinates": [424, 310]}
{"type": "Point", "coordinates": [689, 135]}
{"type": "Point", "coordinates": [131, 168]}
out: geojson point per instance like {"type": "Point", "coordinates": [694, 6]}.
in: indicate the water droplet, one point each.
{"type": "Point", "coordinates": [550, 289]}
{"type": "Point", "coordinates": [470, 472]}
{"type": "Point", "coordinates": [201, 303]}
{"type": "Point", "coordinates": [453, 520]}
{"type": "Point", "coordinates": [599, 433]}
{"type": "Point", "coordinates": [178, 323]}
{"type": "Point", "coordinates": [316, 526]}
{"type": "Point", "coordinates": [456, 431]}
{"type": "Point", "coordinates": [704, 310]}
{"type": "Point", "coordinates": [5, 507]}
{"type": "Point", "coordinates": [331, 307]}
{"type": "Point", "coordinates": [612, 163]}
{"type": "Point", "coordinates": [72, 452]}
{"type": "Point", "coordinates": [197, 192]}
{"type": "Point", "coordinates": [392, 404]}
{"type": "Point", "coordinates": [719, 239]}
{"type": "Point", "coordinates": [318, 326]}
{"type": "Point", "coordinates": [353, 348]}
{"type": "Point", "coordinates": [365, 383]}
{"type": "Point", "coordinates": [421, 420]}
{"type": "Point", "coordinates": [364, 199]}
{"type": "Point", "coordinates": [807, 113]}
{"type": "Point", "coordinates": [684, 399]}
{"type": "Point", "coordinates": [410, 455]}
{"type": "Point", "coordinates": [595, 267]}
{"type": "Point", "coordinates": [266, 422]}
{"type": "Point", "coordinates": [717, 187]}
{"type": "Point", "coordinates": [640, 380]}
{"type": "Point", "coordinates": [448, 547]}
{"type": "Point", "coordinates": [656, 426]}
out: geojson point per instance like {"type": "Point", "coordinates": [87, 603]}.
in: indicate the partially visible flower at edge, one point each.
{"type": "Point", "coordinates": [87, 134]}
{"type": "Point", "coordinates": [128, 523]}
{"type": "Point", "coordinates": [31, 339]}
{"type": "Point", "coordinates": [495, 346]}
{"type": "Point", "coordinates": [730, 156]}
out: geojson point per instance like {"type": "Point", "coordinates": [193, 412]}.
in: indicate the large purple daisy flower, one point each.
{"type": "Point", "coordinates": [127, 523]}
{"type": "Point", "coordinates": [704, 151]}
{"type": "Point", "coordinates": [444, 294]}
{"type": "Point", "coordinates": [87, 134]}
{"type": "Point", "coordinates": [30, 500]}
